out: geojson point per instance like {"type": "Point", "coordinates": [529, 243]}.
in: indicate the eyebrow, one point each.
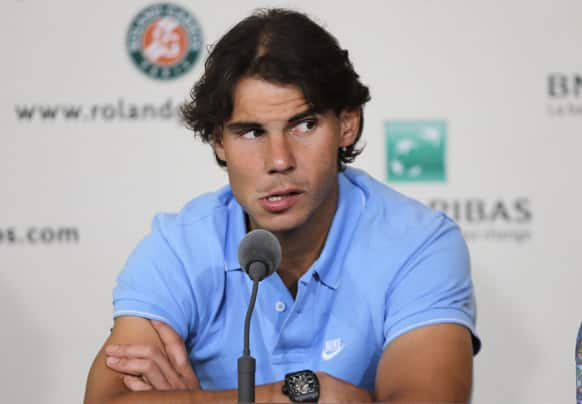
{"type": "Point", "coordinates": [247, 126]}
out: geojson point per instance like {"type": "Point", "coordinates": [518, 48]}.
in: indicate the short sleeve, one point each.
{"type": "Point", "coordinates": [153, 284]}
{"type": "Point", "coordinates": [433, 286]}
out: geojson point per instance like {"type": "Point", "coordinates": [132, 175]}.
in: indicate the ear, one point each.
{"type": "Point", "coordinates": [349, 126]}
{"type": "Point", "coordinates": [218, 146]}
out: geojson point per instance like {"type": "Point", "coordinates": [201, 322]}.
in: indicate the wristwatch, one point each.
{"type": "Point", "coordinates": [302, 386]}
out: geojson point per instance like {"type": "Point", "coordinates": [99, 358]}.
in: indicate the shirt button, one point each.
{"type": "Point", "coordinates": [280, 307]}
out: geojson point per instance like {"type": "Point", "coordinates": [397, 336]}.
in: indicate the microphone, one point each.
{"type": "Point", "coordinates": [259, 254]}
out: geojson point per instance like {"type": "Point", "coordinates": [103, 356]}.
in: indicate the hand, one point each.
{"type": "Point", "coordinates": [147, 367]}
{"type": "Point", "coordinates": [339, 391]}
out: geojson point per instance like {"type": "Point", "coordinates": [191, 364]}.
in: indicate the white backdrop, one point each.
{"type": "Point", "coordinates": [85, 189]}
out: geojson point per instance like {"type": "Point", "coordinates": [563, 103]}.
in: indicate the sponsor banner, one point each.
{"type": "Point", "coordinates": [473, 124]}
{"type": "Point", "coordinates": [490, 219]}
{"type": "Point", "coordinates": [416, 150]}
{"type": "Point", "coordinates": [39, 235]}
{"type": "Point", "coordinates": [164, 41]}
{"type": "Point", "coordinates": [120, 110]}
{"type": "Point", "coordinates": [564, 93]}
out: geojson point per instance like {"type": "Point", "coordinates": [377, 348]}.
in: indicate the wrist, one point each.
{"type": "Point", "coordinates": [271, 393]}
{"type": "Point", "coordinates": [335, 390]}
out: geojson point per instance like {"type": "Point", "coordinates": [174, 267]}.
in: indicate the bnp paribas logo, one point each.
{"type": "Point", "coordinates": [416, 150]}
{"type": "Point", "coordinates": [164, 41]}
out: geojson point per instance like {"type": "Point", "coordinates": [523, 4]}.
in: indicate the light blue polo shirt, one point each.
{"type": "Point", "coordinates": [389, 265]}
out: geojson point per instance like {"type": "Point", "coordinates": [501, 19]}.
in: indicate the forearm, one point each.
{"type": "Point", "coordinates": [267, 393]}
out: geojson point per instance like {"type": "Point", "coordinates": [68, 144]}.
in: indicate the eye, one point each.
{"type": "Point", "coordinates": [251, 134]}
{"type": "Point", "coordinates": [306, 126]}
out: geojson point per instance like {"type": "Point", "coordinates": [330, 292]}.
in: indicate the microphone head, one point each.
{"type": "Point", "coordinates": [259, 247]}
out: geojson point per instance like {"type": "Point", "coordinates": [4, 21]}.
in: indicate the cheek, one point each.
{"type": "Point", "coordinates": [321, 169]}
{"type": "Point", "coordinates": [243, 171]}
{"type": "Point", "coordinates": [322, 157]}
{"type": "Point", "coordinates": [239, 175]}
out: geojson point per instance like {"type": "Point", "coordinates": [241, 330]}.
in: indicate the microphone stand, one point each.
{"type": "Point", "coordinates": [246, 363]}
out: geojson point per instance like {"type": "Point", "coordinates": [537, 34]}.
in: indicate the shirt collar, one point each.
{"type": "Point", "coordinates": [328, 267]}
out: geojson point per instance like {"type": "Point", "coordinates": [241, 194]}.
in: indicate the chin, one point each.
{"type": "Point", "coordinates": [280, 224]}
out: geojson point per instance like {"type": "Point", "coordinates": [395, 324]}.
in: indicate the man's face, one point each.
{"type": "Point", "coordinates": [282, 157]}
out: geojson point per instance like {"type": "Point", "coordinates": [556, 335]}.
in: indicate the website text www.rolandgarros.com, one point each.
{"type": "Point", "coordinates": [40, 235]}
{"type": "Point", "coordinates": [119, 110]}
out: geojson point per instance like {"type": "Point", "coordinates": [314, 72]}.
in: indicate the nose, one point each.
{"type": "Point", "coordinates": [280, 156]}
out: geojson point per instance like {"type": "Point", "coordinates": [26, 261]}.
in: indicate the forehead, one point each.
{"type": "Point", "coordinates": [258, 100]}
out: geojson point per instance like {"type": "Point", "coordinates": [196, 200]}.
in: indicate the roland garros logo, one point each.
{"type": "Point", "coordinates": [164, 41]}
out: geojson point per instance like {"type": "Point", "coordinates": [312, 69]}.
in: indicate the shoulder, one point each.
{"type": "Point", "coordinates": [396, 232]}
{"type": "Point", "coordinates": [393, 214]}
{"type": "Point", "coordinates": [192, 238]}
{"type": "Point", "coordinates": [176, 263]}
{"type": "Point", "coordinates": [198, 212]}
{"type": "Point", "coordinates": [199, 226]}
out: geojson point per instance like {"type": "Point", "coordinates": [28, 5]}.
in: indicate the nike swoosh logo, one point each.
{"type": "Point", "coordinates": [327, 355]}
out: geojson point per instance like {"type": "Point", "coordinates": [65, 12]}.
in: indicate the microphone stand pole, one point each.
{"type": "Point", "coordinates": [246, 363]}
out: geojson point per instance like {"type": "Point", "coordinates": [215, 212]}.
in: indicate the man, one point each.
{"type": "Point", "coordinates": [373, 296]}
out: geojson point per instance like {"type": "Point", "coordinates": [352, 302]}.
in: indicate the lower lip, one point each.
{"type": "Point", "coordinates": [280, 205]}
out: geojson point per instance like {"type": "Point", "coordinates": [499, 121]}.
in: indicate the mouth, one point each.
{"type": "Point", "coordinates": [280, 201]}
{"type": "Point", "coordinates": [281, 195]}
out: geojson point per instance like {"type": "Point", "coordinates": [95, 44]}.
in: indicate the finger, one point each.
{"type": "Point", "coordinates": [131, 350]}
{"type": "Point", "coordinates": [166, 333]}
{"type": "Point", "coordinates": [140, 367]}
{"type": "Point", "coordinates": [180, 361]}
{"type": "Point", "coordinates": [149, 352]}
{"type": "Point", "coordinates": [135, 383]}
{"type": "Point", "coordinates": [176, 351]}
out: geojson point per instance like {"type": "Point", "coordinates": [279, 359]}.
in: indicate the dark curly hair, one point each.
{"type": "Point", "coordinates": [280, 46]}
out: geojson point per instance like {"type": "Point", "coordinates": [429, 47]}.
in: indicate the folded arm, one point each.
{"type": "Point", "coordinates": [147, 371]}
{"type": "Point", "coordinates": [152, 366]}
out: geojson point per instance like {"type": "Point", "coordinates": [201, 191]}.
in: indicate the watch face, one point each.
{"type": "Point", "coordinates": [302, 386]}
{"type": "Point", "coordinates": [303, 383]}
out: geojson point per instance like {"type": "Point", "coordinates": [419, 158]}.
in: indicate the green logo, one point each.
{"type": "Point", "coordinates": [416, 151]}
{"type": "Point", "coordinates": [164, 41]}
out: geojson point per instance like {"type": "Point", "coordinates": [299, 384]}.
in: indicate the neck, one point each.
{"type": "Point", "coordinates": [303, 245]}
